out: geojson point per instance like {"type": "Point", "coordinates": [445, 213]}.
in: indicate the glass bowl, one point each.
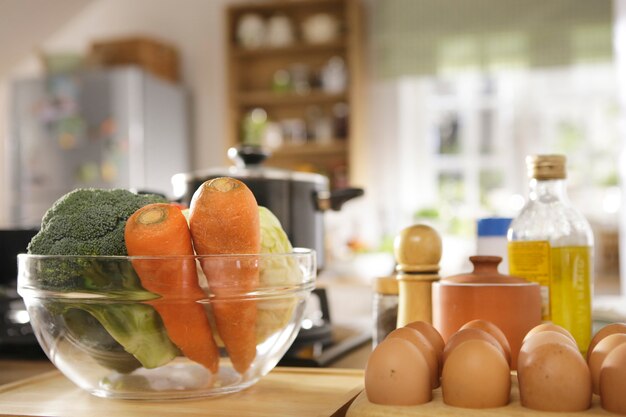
{"type": "Point", "coordinates": [166, 327]}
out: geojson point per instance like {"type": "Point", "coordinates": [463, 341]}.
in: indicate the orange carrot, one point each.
{"type": "Point", "coordinates": [224, 219]}
{"type": "Point", "coordinates": [161, 230]}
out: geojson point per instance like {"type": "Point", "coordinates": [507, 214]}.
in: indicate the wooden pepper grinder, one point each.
{"type": "Point", "coordinates": [418, 251]}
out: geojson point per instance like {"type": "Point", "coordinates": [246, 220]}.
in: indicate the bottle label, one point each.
{"type": "Point", "coordinates": [531, 260]}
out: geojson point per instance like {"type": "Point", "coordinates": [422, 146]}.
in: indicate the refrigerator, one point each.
{"type": "Point", "coordinates": [109, 128]}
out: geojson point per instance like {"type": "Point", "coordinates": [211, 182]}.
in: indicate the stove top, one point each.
{"type": "Point", "coordinates": [318, 354]}
{"type": "Point", "coordinates": [16, 334]}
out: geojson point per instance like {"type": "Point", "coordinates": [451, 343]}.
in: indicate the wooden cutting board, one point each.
{"type": "Point", "coordinates": [284, 392]}
{"type": "Point", "coordinates": [361, 407]}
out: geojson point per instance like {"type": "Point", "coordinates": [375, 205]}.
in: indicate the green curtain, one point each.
{"type": "Point", "coordinates": [424, 37]}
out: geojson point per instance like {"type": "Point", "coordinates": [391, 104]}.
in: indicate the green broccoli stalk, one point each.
{"type": "Point", "coordinates": [87, 334]}
{"type": "Point", "coordinates": [90, 222]}
{"type": "Point", "coordinates": [138, 328]}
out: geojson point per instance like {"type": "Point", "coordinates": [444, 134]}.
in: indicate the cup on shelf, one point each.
{"type": "Point", "coordinates": [281, 81]}
{"type": "Point", "coordinates": [253, 126]}
{"type": "Point", "coordinates": [294, 131]}
{"type": "Point", "coordinates": [320, 28]}
{"type": "Point", "coordinates": [334, 75]}
{"type": "Point", "coordinates": [320, 126]}
{"type": "Point", "coordinates": [300, 78]}
{"type": "Point", "coordinates": [272, 136]}
{"type": "Point", "coordinates": [324, 130]}
{"type": "Point", "coordinates": [341, 112]}
{"type": "Point", "coordinates": [251, 31]}
{"type": "Point", "coordinates": [280, 31]}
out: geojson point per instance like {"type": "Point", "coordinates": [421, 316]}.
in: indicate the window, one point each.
{"type": "Point", "coordinates": [468, 91]}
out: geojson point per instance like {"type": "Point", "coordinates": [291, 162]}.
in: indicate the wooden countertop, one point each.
{"type": "Point", "coordinates": [12, 370]}
{"type": "Point", "coordinates": [283, 392]}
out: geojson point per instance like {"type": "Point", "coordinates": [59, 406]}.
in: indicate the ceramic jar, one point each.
{"type": "Point", "coordinates": [511, 303]}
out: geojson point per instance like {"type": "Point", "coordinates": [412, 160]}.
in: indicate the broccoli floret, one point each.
{"type": "Point", "coordinates": [86, 223]}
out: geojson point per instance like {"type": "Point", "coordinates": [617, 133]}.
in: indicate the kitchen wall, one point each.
{"type": "Point", "coordinates": [195, 27]}
{"type": "Point", "coordinates": [620, 52]}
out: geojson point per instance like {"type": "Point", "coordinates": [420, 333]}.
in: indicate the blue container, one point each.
{"type": "Point", "coordinates": [491, 239]}
{"type": "Point", "coordinates": [493, 226]}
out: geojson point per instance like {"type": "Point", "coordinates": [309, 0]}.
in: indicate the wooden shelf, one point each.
{"type": "Point", "coordinates": [336, 146]}
{"type": "Point", "coordinates": [252, 71]}
{"type": "Point", "coordinates": [298, 48]}
{"type": "Point", "coordinates": [271, 98]}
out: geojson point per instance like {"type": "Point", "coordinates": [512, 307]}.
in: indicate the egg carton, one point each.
{"type": "Point", "coordinates": [361, 407]}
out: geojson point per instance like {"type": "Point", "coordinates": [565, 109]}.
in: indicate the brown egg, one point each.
{"type": "Point", "coordinates": [549, 326]}
{"type": "Point", "coordinates": [464, 335]}
{"type": "Point", "coordinates": [396, 373]}
{"type": "Point", "coordinates": [476, 375]}
{"type": "Point", "coordinates": [613, 381]}
{"type": "Point", "coordinates": [553, 376]}
{"type": "Point", "coordinates": [599, 354]}
{"type": "Point", "coordinates": [541, 338]}
{"type": "Point", "coordinates": [604, 332]}
{"type": "Point", "coordinates": [420, 342]}
{"type": "Point", "coordinates": [433, 336]}
{"type": "Point", "coordinates": [493, 330]}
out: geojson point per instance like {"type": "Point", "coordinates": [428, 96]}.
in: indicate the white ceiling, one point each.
{"type": "Point", "coordinates": [25, 24]}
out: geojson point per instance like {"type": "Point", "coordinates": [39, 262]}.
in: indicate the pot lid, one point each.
{"type": "Point", "coordinates": [248, 164]}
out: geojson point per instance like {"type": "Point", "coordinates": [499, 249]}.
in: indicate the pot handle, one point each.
{"type": "Point", "coordinates": [333, 200]}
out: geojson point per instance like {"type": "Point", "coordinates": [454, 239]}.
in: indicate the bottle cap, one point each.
{"type": "Point", "coordinates": [546, 167]}
{"type": "Point", "coordinates": [493, 226]}
{"type": "Point", "coordinates": [386, 285]}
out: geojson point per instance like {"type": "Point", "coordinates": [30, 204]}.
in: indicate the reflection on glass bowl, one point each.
{"type": "Point", "coordinates": [215, 335]}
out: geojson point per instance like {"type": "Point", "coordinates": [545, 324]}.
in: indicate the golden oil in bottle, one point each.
{"type": "Point", "coordinates": [551, 243]}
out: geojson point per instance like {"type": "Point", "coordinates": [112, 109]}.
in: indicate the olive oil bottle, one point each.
{"type": "Point", "coordinates": [551, 243]}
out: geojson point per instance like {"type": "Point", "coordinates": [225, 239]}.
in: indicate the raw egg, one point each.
{"type": "Point", "coordinates": [493, 330]}
{"type": "Point", "coordinates": [552, 374]}
{"type": "Point", "coordinates": [599, 354]}
{"type": "Point", "coordinates": [604, 332]}
{"type": "Point", "coordinates": [433, 336]}
{"type": "Point", "coordinates": [541, 338]}
{"type": "Point", "coordinates": [476, 375]}
{"type": "Point", "coordinates": [613, 381]}
{"type": "Point", "coordinates": [464, 335]}
{"type": "Point", "coordinates": [396, 373]}
{"type": "Point", "coordinates": [420, 342]}
{"type": "Point", "coordinates": [549, 326]}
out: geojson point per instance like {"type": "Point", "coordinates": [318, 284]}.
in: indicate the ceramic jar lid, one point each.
{"type": "Point", "coordinates": [485, 272]}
